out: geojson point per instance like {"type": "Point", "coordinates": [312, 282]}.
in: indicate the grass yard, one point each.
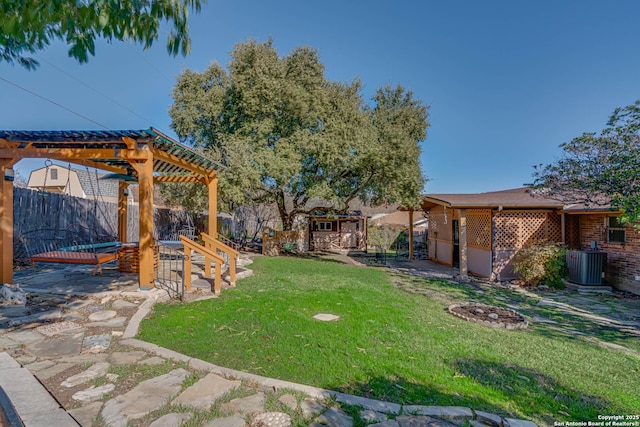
{"type": "Point", "coordinates": [395, 341]}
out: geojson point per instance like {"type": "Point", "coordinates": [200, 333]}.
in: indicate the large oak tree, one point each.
{"type": "Point", "coordinates": [599, 169]}
{"type": "Point", "coordinates": [28, 26]}
{"type": "Point", "coordinates": [288, 136]}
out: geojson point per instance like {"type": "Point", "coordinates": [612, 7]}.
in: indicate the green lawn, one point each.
{"type": "Point", "coordinates": [396, 342]}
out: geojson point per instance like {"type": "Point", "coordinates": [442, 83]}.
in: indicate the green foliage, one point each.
{"type": "Point", "coordinates": [288, 248]}
{"type": "Point", "coordinates": [599, 169]}
{"type": "Point", "coordinates": [290, 137]}
{"type": "Point", "coordinates": [383, 235]}
{"type": "Point", "coordinates": [190, 196]}
{"type": "Point", "coordinates": [542, 263]}
{"type": "Point", "coordinates": [28, 26]}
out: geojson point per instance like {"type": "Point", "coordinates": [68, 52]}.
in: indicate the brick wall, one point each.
{"type": "Point", "coordinates": [623, 260]}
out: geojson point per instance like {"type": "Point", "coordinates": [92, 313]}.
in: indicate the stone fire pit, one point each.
{"type": "Point", "coordinates": [487, 315]}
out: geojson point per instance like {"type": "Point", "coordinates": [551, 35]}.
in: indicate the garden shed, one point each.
{"type": "Point", "coordinates": [480, 233]}
{"type": "Point", "coordinates": [338, 232]}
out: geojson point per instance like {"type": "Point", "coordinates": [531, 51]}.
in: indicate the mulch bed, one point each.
{"type": "Point", "coordinates": [486, 315]}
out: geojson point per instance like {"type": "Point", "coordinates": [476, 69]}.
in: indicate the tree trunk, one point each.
{"type": "Point", "coordinates": [285, 217]}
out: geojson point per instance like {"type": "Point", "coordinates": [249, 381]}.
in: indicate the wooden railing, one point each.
{"type": "Point", "coordinates": [232, 255]}
{"type": "Point", "coordinates": [209, 255]}
{"type": "Point", "coordinates": [234, 245]}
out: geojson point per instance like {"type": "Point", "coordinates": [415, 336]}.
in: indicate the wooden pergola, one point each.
{"type": "Point", "coordinates": [146, 156]}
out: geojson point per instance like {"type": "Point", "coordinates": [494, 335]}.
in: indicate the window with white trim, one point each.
{"type": "Point", "coordinates": [616, 230]}
{"type": "Point", "coordinates": [324, 226]}
{"type": "Point", "coordinates": [54, 173]}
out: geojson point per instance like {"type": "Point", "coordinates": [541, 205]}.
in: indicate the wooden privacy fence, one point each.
{"type": "Point", "coordinates": [35, 210]}
{"type": "Point", "coordinates": [40, 211]}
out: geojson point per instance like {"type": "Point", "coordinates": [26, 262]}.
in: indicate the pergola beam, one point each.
{"type": "Point", "coordinates": [130, 142]}
{"type": "Point", "coordinates": [74, 153]}
{"type": "Point", "coordinates": [92, 164]}
{"type": "Point", "coordinates": [8, 144]}
{"type": "Point", "coordinates": [184, 164]}
{"type": "Point", "coordinates": [177, 178]}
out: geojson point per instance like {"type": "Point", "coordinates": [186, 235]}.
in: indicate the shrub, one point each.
{"type": "Point", "coordinates": [542, 263]}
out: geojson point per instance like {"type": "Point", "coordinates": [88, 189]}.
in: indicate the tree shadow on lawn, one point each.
{"type": "Point", "coordinates": [546, 320]}
{"type": "Point", "coordinates": [531, 391]}
{"type": "Point", "coordinates": [521, 393]}
{"type": "Point", "coordinates": [450, 292]}
{"type": "Point", "coordinates": [406, 392]}
{"type": "Point", "coordinates": [554, 323]}
{"type": "Point", "coordinates": [316, 256]}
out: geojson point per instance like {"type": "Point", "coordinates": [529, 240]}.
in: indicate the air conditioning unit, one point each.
{"type": "Point", "coordinates": [586, 267]}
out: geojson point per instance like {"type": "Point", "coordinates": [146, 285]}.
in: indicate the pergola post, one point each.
{"type": "Point", "coordinates": [6, 223]}
{"type": "Point", "coordinates": [147, 241]}
{"type": "Point", "coordinates": [464, 274]}
{"type": "Point", "coordinates": [410, 233]}
{"type": "Point", "coordinates": [123, 188]}
{"type": "Point", "coordinates": [212, 187]}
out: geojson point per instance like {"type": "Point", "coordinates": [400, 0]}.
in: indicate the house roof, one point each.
{"type": "Point", "coordinates": [580, 208]}
{"type": "Point", "coordinates": [517, 198]}
{"type": "Point", "coordinates": [399, 217]}
{"type": "Point", "coordinates": [393, 218]}
{"type": "Point", "coordinates": [177, 158]}
{"type": "Point", "coordinates": [328, 215]}
{"type": "Point", "coordinates": [93, 183]}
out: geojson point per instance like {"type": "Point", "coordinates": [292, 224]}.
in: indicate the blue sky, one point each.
{"type": "Point", "coordinates": [507, 81]}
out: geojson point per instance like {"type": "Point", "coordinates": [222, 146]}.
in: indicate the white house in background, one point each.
{"type": "Point", "coordinates": [81, 183]}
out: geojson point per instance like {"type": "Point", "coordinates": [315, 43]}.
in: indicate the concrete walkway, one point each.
{"type": "Point", "coordinates": [59, 358]}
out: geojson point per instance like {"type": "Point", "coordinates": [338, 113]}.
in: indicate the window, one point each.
{"type": "Point", "coordinates": [54, 173]}
{"type": "Point", "coordinates": [324, 226]}
{"type": "Point", "coordinates": [616, 230]}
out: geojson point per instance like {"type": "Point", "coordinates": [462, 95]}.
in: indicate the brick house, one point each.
{"type": "Point", "coordinates": [481, 233]}
{"type": "Point", "coordinates": [621, 243]}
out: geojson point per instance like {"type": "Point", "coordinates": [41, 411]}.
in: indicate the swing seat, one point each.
{"type": "Point", "coordinates": [68, 247]}
{"type": "Point", "coordinates": [72, 257]}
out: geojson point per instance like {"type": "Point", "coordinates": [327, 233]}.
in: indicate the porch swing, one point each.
{"type": "Point", "coordinates": [71, 246]}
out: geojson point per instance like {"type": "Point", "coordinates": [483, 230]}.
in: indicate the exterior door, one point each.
{"type": "Point", "coordinates": [456, 242]}
{"type": "Point", "coordinates": [349, 231]}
